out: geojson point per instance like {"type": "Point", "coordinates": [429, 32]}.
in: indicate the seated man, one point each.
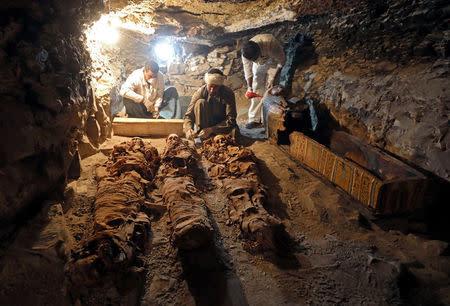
{"type": "Point", "coordinates": [212, 109]}
{"type": "Point", "coordinates": [144, 95]}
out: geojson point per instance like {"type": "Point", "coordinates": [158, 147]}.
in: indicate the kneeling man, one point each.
{"type": "Point", "coordinates": [144, 95]}
{"type": "Point", "coordinates": [212, 109]}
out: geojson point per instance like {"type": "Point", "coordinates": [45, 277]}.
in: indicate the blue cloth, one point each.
{"type": "Point", "coordinates": [170, 107]}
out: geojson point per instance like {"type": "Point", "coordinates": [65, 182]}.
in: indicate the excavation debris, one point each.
{"type": "Point", "coordinates": [191, 227]}
{"type": "Point", "coordinates": [120, 227]}
{"type": "Point", "coordinates": [235, 168]}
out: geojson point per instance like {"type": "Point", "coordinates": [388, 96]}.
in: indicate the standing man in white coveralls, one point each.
{"type": "Point", "coordinates": [262, 57]}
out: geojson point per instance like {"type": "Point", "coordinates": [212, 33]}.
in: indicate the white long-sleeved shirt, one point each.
{"type": "Point", "coordinates": [271, 52]}
{"type": "Point", "coordinates": [136, 88]}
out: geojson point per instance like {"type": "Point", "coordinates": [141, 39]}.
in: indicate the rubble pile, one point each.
{"type": "Point", "coordinates": [191, 227]}
{"type": "Point", "coordinates": [120, 227]}
{"type": "Point", "coordinates": [235, 167]}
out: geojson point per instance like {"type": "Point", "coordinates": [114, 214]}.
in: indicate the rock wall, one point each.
{"type": "Point", "coordinates": [46, 100]}
{"type": "Point", "coordinates": [381, 70]}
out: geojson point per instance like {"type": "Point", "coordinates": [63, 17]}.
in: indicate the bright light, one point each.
{"type": "Point", "coordinates": [105, 30]}
{"type": "Point", "coordinates": [164, 51]}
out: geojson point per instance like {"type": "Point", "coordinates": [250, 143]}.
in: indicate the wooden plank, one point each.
{"type": "Point", "coordinates": [147, 127]}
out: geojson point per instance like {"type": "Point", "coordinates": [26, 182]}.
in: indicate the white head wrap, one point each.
{"type": "Point", "coordinates": [214, 78]}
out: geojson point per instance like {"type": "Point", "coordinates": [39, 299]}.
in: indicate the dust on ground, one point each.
{"type": "Point", "coordinates": [340, 255]}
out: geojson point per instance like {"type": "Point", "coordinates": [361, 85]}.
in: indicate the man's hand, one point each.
{"type": "Point", "coordinates": [190, 134]}
{"type": "Point", "coordinates": [249, 92]}
{"type": "Point", "coordinates": [147, 104]}
{"type": "Point", "coordinates": [205, 133]}
{"type": "Point", "coordinates": [271, 81]}
{"type": "Point", "coordinates": [277, 91]}
{"type": "Point", "coordinates": [146, 101]}
{"type": "Point", "coordinates": [156, 112]}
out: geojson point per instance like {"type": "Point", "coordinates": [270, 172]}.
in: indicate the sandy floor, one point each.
{"type": "Point", "coordinates": [341, 256]}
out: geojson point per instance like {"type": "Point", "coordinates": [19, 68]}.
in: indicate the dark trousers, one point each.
{"type": "Point", "coordinates": [136, 110]}
{"type": "Point", "coordinates": [170, 107]}
{"type": "Point", "coordinates": [203, 120]}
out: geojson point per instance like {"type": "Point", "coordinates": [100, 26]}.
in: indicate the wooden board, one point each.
{"type": "Point", "coordinates": [147, 127]}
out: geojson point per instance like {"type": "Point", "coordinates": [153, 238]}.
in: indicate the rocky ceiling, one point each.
{"type": "Point", "coordinates": [213, 22]}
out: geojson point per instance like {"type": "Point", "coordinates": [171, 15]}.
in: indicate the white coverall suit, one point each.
{"type": "Point", "coordinates": [263, 69]}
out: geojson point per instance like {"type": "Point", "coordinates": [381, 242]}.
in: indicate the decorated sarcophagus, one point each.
{"type": "Point", "coordinates": [376, 179]}
{"type": "Point", "coordinates": [371, 176]}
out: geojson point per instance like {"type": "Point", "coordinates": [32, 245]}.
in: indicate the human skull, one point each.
{"type": "Point", "coordinates": [172, 138]}
{"type": "Point", "coordinates": [221, 140]}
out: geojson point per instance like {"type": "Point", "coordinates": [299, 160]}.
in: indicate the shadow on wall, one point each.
{"type": "Point", "coordinates": [431, 219]}
{"type": "Point", "coordinates": [436, 208]}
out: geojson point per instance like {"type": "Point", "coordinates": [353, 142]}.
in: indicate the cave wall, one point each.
{"type": "Point", "coordinates": [381, 70]}
{"type": "Point", "coordinates": [45, 100]}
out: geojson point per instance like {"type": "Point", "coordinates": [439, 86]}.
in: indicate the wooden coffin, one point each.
{"type": "Point", "coordinates": [147, 127]}
{"type": "Point", "coordinates": [275, 123]}
{"type": "Point", "coordinates": [376, 179]}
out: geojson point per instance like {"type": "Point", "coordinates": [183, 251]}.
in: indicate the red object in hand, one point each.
{"type": "Point", "coordinates": [251, 95]}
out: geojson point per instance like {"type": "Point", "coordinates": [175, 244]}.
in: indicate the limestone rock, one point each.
{"type": "Point", "coordinates": [435, 247]}
{"type": "Point", "coordinates": [227, 69]}
{"type": "Point", "coordinates": [199, 69]}
{"type": "Point", "coordinates": [74, 171]}
{"type": "Point", "coordinates": [235, 82]}
{"type": "Point", "coordinates": [86, 148]}
{"type": "Point", "coordinates": [55, 238]}
{"type": "Point", "coordinates": [43, 91]}
{"type": "Point", "coordinates": [397, 113]}
{"type": "Point", "coordinates": [176, 68]}
{"type": "Point", "coordinates": [93, 131]}
{"type": "Point", "coordinates": [104, 123]}
{"type": "Point", "coordinates": [188, 81]}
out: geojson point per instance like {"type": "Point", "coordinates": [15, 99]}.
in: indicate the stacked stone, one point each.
{"type": "Point", "coordinates": [120, 228]}
{"type": "Point", "coordinates": [235, 167]}
{"type": "Point", "coordinates": [191, 227]}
